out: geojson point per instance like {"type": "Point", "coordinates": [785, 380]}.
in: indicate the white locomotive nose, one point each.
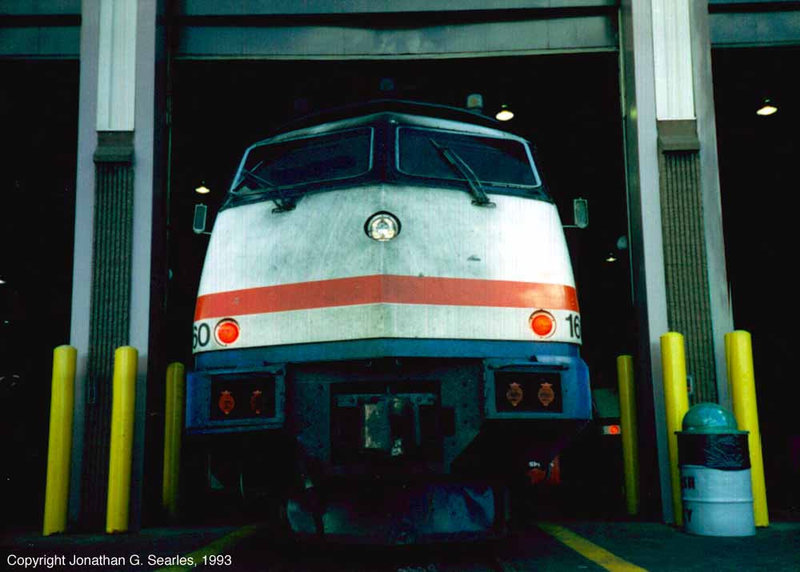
{"type": "Point", "coordinates": [382, 226]}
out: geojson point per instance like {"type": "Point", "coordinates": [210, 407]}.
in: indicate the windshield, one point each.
{"type": "Point", "coordinates": [493, 161]}
{"type": "Point", "coordinates": [332, 156]}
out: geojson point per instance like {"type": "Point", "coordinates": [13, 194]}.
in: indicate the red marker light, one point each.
{"type": "Point", "coordinates": [226, 402]}
{"type": "Point", "coordinates": [257, 401]}
{"type": "Point", "coordinates": [227, 332]}
{"type": "Point", "coordinates": [542, 323]}
{"type": "Point", "coordinates": [612, 430]}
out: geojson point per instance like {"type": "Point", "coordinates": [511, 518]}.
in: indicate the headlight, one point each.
{"type": "Point", "coordinates": [382, 226]}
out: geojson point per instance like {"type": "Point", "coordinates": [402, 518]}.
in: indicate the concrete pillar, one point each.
{"type": "Point", "coordinates": [719, 302]}
{"type": "Point", "coordinates": [677, 249]}
{"type": "Point", "coordinates": [694, 255]}
{"type": "Point", "coordinates": [118, 198]}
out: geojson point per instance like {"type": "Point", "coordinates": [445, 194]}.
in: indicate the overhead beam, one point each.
{"type": "Point", "coordinates": [317, 7]}
{"type": "Point", "coordinates": [754, 23]}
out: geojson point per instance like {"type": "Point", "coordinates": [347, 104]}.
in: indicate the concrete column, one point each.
{"type": "Point", "coordinates": [118, 195]}
{"type": "Point", "coordinates": [674, 202]}
{"type": "Point", "coordinates": [697, 299]}
{"type": "Point", "coordinates": [719, 299]}
{"type": "Point", "coordinates": [647, 251]}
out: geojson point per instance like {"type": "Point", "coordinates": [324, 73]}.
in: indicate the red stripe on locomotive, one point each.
{"type": "Point", "coordinates": [386, 289]}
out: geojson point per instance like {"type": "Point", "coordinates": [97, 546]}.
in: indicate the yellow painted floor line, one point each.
{"type": "Point", "coordinates": [216, 549]}
{"type": "Point", "coordinates": [596, 554]}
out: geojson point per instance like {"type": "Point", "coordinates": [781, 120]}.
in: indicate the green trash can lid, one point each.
{"type": "Point", "coordinates": [709, 418]}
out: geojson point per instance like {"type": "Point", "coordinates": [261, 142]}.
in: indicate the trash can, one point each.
{"type": "Point", "coordinates": [715, 474]}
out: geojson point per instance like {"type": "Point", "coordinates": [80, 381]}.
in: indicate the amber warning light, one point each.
{"type": "Point", "coordinates": [227, 332]}
{"type": "Point", "coordinates": [542, 323]}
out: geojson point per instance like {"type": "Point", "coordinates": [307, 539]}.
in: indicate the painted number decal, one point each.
{"type": "Point", "coordinates": [201, 335]}
{"type": "Point", "coordinates": [574, 321]}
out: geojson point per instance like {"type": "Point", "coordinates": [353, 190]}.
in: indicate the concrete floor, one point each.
{"type": "Point", "coordinates": [539, 546]}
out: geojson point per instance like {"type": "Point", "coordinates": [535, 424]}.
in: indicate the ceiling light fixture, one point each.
{"type": "Point", "coordinates": [768, 107]}
{"type": "Point", "coordinates": [505, 114]}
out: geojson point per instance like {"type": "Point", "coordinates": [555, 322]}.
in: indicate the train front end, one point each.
{"type": "Point", "coordinates": [387, 318]}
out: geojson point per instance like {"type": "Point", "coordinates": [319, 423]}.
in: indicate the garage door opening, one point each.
{"type": "Point", "coordinates": [758, 156]}
{"type": "Point", "coordinates": [39, 114]}
{"type": "Point", "coordinates": [568, 105]}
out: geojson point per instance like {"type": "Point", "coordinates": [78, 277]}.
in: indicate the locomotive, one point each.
{"type": "Point", "coordinates": [386, 324]}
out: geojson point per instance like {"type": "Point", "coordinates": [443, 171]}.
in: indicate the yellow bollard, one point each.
{"type": "Point", "coordinates": [741, 378]}
{"type": "Point", "coordinates": [173, 426]}
{"type": "Point", "coordinates": [676, 399]}
{"type": "Point", "coordinates": [119, 465]}
{"type": "Point", "coordinates": [627, 412]}
{"type": "Point", "coordinates": [59, 449]}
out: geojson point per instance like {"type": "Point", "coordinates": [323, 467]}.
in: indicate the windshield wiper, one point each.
{"type": "Point", "coordinates": [479, 196]}
{"type": "Point", "coordinates": [282, 202]}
